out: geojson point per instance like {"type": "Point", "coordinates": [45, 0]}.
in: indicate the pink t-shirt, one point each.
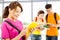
{"type": "Point", "coordinates": [10, 32]}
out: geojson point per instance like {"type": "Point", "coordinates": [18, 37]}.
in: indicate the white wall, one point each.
{"type": "Point", "coordinates": [26, 14]}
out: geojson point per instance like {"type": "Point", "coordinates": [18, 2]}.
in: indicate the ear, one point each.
{"type": "Point", "coordinates": [9, 9]}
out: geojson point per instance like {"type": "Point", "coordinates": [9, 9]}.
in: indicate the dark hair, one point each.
{"type": "Point", "coordinates": [47, 6]}
{"type": "Point", "coordinates": [12, 5]}
{"type": "Point", "coordinates": [40, 12]}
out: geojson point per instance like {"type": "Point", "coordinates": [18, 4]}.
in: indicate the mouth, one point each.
{"type": "Point", "coordinates": [16, 16]}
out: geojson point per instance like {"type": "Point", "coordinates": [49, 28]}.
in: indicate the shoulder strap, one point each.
{"type": "Point", "coordinates": [55, 17]}
{"type": "Point", "coordinates": [56, 20]}
{"type": "Point", "coordinates": [46, 17]}
{"type": "Point", "coordinates": [13, 26]}
{"type": "Point", "coordinates": [35, 19]}
{"type": "Point", "coordinates": [42, 20]}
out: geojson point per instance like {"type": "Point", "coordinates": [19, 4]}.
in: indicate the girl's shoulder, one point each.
{"type": "Point", "coordinates": [19, 21]}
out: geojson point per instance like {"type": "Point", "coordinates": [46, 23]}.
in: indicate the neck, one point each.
{"type": "Point", "coordinates": [11, 18]}
{"type": "Point", "coordinates": [39, 18]}
{"type": "Point", "coordinates": [50, 12]}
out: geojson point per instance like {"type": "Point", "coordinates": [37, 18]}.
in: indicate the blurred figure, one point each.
{"type": "Point", "coordinates": [34, 28]}
{"type": "Point", "coordinates": [52, 18]}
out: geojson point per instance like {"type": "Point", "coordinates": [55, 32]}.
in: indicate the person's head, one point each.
{"type": "Point", "coordinates": [13, 10]}
{"type": "Point", "coordinates": [40, 14]}
{"type": "Point", "coordinates": [48, 8]}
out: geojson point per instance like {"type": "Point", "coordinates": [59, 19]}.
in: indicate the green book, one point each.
{"type": "Point", "coordinates": [45, 26]}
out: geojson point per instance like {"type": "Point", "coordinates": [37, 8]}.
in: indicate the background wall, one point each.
{"type": "Point", "coordinates": [30, 9]}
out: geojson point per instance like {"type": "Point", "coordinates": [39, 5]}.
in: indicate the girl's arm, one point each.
{"type": "Point", "coordinates": [23, 32]}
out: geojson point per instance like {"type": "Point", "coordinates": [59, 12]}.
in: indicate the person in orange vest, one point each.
{"type": "Point", "coordinates": [36, 33]}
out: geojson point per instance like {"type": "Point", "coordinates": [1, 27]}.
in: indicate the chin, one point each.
{"type": "Point", "coordinates": [15, 18]}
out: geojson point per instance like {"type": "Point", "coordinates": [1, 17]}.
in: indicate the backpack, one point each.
{"type": "Point", "coordinates": [37, 19]}
{"type": "Point", "coordinates": [15, 28]}
{"type": "Point", "coordinates": [54, 18]}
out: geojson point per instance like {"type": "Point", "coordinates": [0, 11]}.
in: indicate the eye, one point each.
{"type": "Point", "coordinates": [17, 11]}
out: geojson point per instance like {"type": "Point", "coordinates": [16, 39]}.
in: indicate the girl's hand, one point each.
{"type": "Point", "coordinates": [23, 32]}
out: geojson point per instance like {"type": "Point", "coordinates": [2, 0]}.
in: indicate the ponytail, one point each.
{"type": "Point", "coordinates": [12, 5]}
{"type": "Point", "coordinates": [6, 12]}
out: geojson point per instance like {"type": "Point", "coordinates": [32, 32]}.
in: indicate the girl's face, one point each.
{"type": "Point", "coordinates": [15, 12]}
{"type": "Point", "coordinates": [41, 16]}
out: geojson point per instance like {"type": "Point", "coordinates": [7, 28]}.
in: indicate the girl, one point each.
{"type": "Point", "coordinates": [36, 33]}
{"type": "Point", "coordinates": [12, 28]}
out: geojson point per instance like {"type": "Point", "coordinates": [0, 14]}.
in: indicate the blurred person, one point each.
{"type": "Point", "coordinates": [52, 18]}
{"type": "Point", "coordinates": [34, 28]}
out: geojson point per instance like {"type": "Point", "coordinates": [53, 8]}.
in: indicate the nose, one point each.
{"type": "Point", "coordinates": [18, 14]}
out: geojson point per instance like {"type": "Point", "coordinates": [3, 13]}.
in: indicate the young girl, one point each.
{"type": "Point", "coordinates": [34, 27]}
{"type": "Point", "coordinates": [11, 13]}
